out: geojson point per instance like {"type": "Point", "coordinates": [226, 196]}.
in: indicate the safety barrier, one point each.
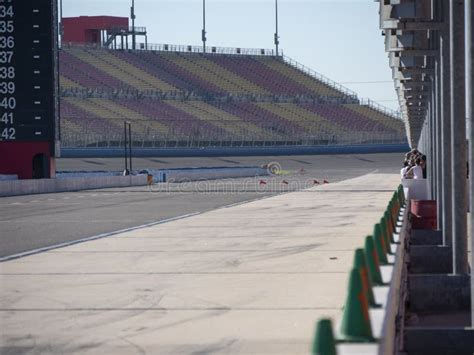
{"type": "Point", "coordinates": [378, 252]}
{"type": "Point", "coordinates": [43, 186]}
{"type": "Point", "coordinates": [197, 174]}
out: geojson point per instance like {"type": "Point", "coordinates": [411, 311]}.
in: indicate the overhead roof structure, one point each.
{"type": "Point", "coordinates": [407, 26]}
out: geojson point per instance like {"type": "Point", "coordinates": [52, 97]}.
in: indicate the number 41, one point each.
{"type": "Point", "coordinates": [7, 118]}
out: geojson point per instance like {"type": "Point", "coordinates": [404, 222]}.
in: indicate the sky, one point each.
{"type": "Point", "coordinates": [340, 39]}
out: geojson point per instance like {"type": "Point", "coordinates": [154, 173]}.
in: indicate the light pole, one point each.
{"type": "Point", "coordinates": [127, 135]}
{"type": "Point", "coordinates": [203, 34]}
{"type": "Point", "coordinates": [132, 16]}
{"type": "Point", "coordinates": [277, 38]}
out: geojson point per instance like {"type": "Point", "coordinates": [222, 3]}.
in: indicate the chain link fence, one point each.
{"type": "Point", "coordinates": [108, 133]}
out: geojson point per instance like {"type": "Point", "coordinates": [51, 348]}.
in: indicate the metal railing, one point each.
{"type": "Point", "coordinates": [199, 49]}
{"type": "Point", "coordinates": [110, 141]}
{"type": "Point", "coordinates": [319, 77]}
{"type": "Point", "coordinates": [180, 48]}
{"type": "Point", "coordinates": [125, 29]}
{"type": "Point", "coordinates": [383, 109]}
{"type": "Point", "coordinates": [155, 94]}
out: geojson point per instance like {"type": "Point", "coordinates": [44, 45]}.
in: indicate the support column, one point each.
{"type": "Point", "coordinates": [429, 149]}
{"type": "Point", "coordinates": [433, 145]}
{"type": "Point", "coordinates": [434, 162]}
{"type": "Point", "coordinates": [446, 135]}
{"type": "Point", "coordinates": [470, 116]}
{"type": "Point", "coordinates": [439, 158]}
{"type": "Point", "coordinates": [458, 137]}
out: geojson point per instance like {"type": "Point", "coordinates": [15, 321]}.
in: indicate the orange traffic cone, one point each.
{"type": "Point", "coordinates": [390, 225]}
{"type": "Point", "coordinates": [386, 235]}
{"type": "Point", "coordinates": [380, 248]}
{"type": "Point", "coordinates": [360, 264]}
{"type": "Point", "coordinates": [372, 259]}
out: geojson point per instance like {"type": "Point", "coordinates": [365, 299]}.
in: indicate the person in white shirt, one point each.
{"type": "Point", "coordinates": [403, 171]}
{"type": "Point", "coordinates": [417, 170]}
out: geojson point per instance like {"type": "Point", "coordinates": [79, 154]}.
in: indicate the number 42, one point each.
{"type": "Point", "coordinates": [8, 133]}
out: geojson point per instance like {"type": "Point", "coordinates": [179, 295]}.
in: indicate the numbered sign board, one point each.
{"type": "Point", "coordinates": [26, 70]}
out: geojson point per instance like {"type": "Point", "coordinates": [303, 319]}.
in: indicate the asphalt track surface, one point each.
{"type": "Point", "coordinates": [37, 221]}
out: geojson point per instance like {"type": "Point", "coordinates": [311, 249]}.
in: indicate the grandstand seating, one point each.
{"type": "Point", "coordinates": [260, 75]}
{"type": "Point", "coordinates": [377, 116]}
{"type": "Point", "coordinates": [315, 86]}
{"type": "Point", "coordinates": [269, 121]}
{"type": "Point", "coordinates": [83, 74]}
{"type": "Point", "coordinates": [214, 97]}
{"type": "Point", "coordinates": [346, 118]}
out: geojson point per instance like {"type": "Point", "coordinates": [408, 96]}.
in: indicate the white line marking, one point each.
{"type": "Point", "coordinates": [99, 236]}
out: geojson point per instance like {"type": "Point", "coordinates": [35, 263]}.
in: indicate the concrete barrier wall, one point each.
{"type": "Point", "coordinates": [41, 186]}
{"type": "Point", "coordinates": [234, 151]}
{"type": "Point", "coordinates": [181, 175]}
{"type": "Point", "coordinates": [28, 187]}
{"type": "Point", "coordinates": [8, 177]}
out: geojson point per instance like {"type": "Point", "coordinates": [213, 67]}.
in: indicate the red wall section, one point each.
{"type": "Point", "coordinates": [79, 29]}
{"type": "Point", "coordinates": [17, 157]}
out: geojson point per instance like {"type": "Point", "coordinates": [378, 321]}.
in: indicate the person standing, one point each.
{"type": "Point", "coordinates": [417, 170]}
{"type": "Point", "coordinates": [423, 165]}
{"type": "Point", "coordinates": [403, 171]}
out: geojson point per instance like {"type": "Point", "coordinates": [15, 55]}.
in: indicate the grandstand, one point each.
{"type": "Point", "coordinates": [177, 97]}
